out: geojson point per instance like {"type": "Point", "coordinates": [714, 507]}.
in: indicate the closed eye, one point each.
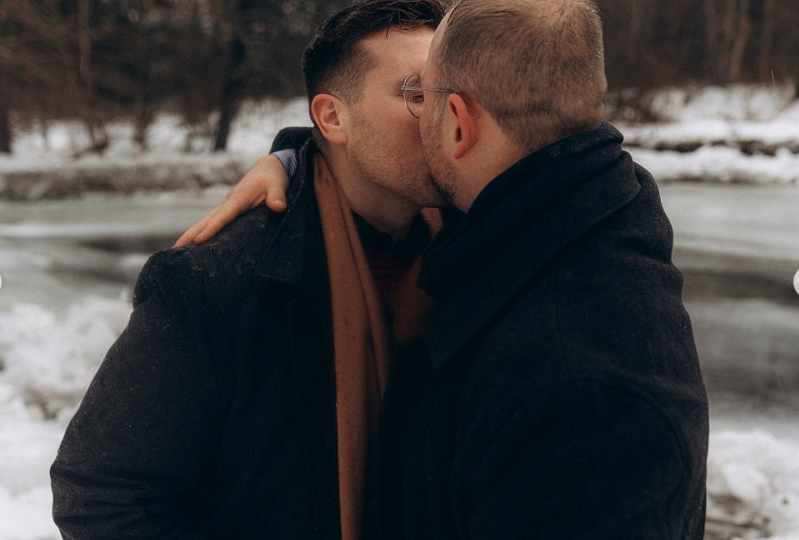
{"type": "Point", "coordinates": [415, 96]}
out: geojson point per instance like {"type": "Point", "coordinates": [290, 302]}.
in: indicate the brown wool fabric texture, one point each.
{"type": "Point", "coordinates": [361, 340]}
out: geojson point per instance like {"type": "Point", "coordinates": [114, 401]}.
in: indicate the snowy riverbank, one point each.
{"type": "Point", "coordinates": [712, 135]}
{"type": "Point", "coordinates": [74, 233]}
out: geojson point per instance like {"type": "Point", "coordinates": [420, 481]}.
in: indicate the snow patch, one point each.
{"type": "Point", "coordinates": [753, 484]}
{"type": "Point", "coordinates": [714, 164]}
{"type": "Point", "coordinates": [759, 103]}
{"type": "Point", "coordinates": [26, 515]}
{"type": "Point", "coordinates": [49, 362]}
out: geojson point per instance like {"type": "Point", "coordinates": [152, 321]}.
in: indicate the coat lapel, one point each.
{"type": "Point", "coordinates": [521, 259]}
{"type": "Point", "coordinates": [296, 263]}
{"type": "Point", "coordinates": [311, 342]}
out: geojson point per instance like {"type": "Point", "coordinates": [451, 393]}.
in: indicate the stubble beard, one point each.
{"type": "Point", "coordinates": [412, 181]}
{"type": "Point", "coordinates": [442, 175]}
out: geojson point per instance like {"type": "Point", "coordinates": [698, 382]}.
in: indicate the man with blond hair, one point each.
{"type": "Point", "coordinates": [556, 390]}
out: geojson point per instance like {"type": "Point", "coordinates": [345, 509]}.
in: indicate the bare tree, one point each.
{"type": "Point", "coordinates": [5, 126]}
{"type": "Point", "coordinates": [740, 36]}
{"type": "Point", "coordinates": [231, 43]}
{"type": "Point", "coordinates": [93, 114]}
{"type": "Point", "coordinates": [766, 44]}
{"type": "Point", "coordinates": [98, 60]}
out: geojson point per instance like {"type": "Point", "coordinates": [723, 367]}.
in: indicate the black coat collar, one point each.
{"type": "Point", "coordinates": [294, 255]}
{"type": "Point", "coordinates": [295, 261]}
{"type": "Point", "coordinates": [519, 223]}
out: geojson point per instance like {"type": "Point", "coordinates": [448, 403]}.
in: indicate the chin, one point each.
{"type": "Point", "coordinates": [427, 194]}
{"type": "Point", "coordinates": [445, 188]}
{"type": "Point", "coordinates": [437, 200]}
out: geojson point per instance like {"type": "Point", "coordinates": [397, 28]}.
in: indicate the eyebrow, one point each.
{"type": "Point", "coordinates": [396, 83]}
{"type": "Point", "coordinates": [402, 78]}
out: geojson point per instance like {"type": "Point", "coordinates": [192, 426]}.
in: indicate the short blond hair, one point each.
{"type": "Point", "coordinates": [537, 66]}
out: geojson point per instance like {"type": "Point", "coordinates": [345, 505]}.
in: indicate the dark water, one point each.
{"type": "Point", "coordinates": [737, 245]}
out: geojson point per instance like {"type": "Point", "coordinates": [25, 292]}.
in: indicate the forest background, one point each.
{"type": "Point", "coordinates": [99, 61]}
{"type": "Point", "coordinates": [110, 110]}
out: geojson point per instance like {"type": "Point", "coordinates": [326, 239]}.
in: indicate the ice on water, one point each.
{"type": "Point", "coordinates": [54, 334]}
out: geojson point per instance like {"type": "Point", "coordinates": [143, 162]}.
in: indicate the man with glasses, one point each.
{"type": "Point", "coordinates": [555, 392]}
{"type": "Point", "coordinates": [242, 399]}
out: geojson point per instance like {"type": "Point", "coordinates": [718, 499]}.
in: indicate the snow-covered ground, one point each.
{"type": "Point", "coordinates": [744, 134]}
{"type": "Point", "coordinates": [37, 146]}
{"type": "Point", "coordinates": [50, 162]}
{"type": "Point", "coordinates": [67, 267]}
{"type": "Point", "coordinates": [739, 135]}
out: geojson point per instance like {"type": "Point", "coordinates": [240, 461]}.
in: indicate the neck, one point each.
{"type": "Point", "coordinates": [382, 208]}
{"type": "Point", "coordinates": [493, 155]}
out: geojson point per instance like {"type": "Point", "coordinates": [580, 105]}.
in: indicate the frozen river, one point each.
{"type": "Point", "coordinates": [738, 246]}
{"type": "Point", "coordinates": [54, 252]}
{"type": "Point", "coordinates": [67, 268]}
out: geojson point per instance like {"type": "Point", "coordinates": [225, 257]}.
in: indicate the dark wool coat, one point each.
{"type": "Point", "coordinates": [556, 394]}
{"type": "Point", "coordinates": [213, 415]}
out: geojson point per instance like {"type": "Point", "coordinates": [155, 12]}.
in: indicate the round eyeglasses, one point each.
{"type": "Point", "coordinates": [413, 94]}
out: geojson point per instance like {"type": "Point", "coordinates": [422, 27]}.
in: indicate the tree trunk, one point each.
{"type": "Point", "coordinates": [712, 39]}
{"type": "Point", "coordinates": [93, 117]}
{"type": "Point", "coordinates": [230, 95]}
{"type": "Point", "coordinates": [143, 109]}
{"type": "Point", "coordinates": [765, 66]}
{"type": "Point", "coordinates": [85, 44]}
{"type": "Point", "coordinates": [227, 114]}
{"type": "Point", "coordinates": [5, 131]}
{"type": "Point", "coordinates": [143, 118]}
{"type": "Point", "coordinates": [635, 30]}
{"type": "Point", "coordinates": [740, 40]}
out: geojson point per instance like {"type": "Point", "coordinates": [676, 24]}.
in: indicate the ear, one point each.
{"type": "Point", "coordinates": [330, 114]}
{"type": "Point", "coordinates": [463, 129]}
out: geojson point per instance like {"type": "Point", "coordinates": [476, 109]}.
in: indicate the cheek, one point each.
{"type": "Point", "coordinates": [414, 133]}
{"type": "Point", "coordinates": [410, 127]}
{"type": "Point", "coordinates": [401, 120]}
{"type": "Point", "coordinates": [426, 131]}
{"type": "Point", "coordinates": [403, 131]}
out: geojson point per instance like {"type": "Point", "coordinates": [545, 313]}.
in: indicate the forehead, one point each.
{"type": "Point", "coordinates": [429, 68]}
{"type": "Point", "coordinates": [397, 52]}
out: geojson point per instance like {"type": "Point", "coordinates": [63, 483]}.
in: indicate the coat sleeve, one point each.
{"type": "Point", "coordinates": [591, 462]}
{"type": "Point", "coordinates": [140, 444]}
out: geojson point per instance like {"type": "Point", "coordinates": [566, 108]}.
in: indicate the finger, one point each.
{"type": "Point", "coordinates": [189, 236]}
{"type": "Point", "coordinates": [276, 204]}
{"type": "Point", "coordinates": [219, 218]}
{"type": "Point", "coordinates": [276, 196]}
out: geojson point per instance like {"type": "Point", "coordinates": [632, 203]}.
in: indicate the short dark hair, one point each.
{"type": "Point", "coordinates": [537, 66]}
{"type": "Point", "coordinates": [333, 63]}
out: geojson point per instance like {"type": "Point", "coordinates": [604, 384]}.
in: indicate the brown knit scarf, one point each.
{"type": "Point", "coordinates": [361, 341]}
